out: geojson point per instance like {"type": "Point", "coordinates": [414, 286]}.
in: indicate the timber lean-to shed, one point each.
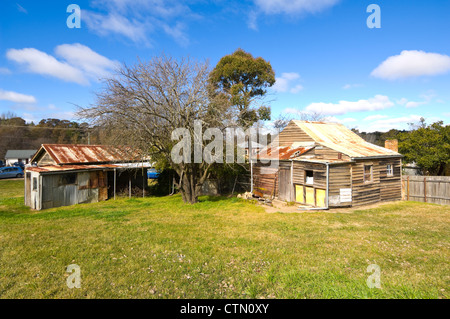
{"type": "Point", "coordinates": [64, 175]}
{"type": "Point", "coordinates": [327, 165]}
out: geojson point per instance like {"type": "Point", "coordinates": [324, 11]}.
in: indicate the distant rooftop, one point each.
{"type": "Point", "coordinates": [19, 153]}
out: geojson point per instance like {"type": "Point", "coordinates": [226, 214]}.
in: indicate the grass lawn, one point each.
{"type": "Point", "coordinates": [220, 248]}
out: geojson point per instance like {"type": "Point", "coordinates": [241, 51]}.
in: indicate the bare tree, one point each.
{"type": "Point", "coordinates": [141, 105]}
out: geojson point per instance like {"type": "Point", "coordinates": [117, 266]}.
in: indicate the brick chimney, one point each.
{"type": "Point", "coordinates": [391, 145]}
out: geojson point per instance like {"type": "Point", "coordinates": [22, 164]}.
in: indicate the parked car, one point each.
{"type": "Point", "coordinates": [19, 164]}
{"type": "Point", "coordinates": [11, 172]}
{"type": "Point", "coordinates": [2, 164]}
{"type": "Point", "coordinates": [152, 173]}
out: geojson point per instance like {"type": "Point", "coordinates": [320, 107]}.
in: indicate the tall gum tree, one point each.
{"type": "Point", "coordinates": [240, 79]}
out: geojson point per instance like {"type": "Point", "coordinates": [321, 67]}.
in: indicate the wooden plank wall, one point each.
{"type": "Point", "coordinates": [265, 180]}
{"type": "Point", "coordinates": [323, 152]}
{"type": "Point", "coordinates": [365, 193]}
{"type": "Point", "coordinates": [430, 189]}
{"type": "Point", "coordinates": [292, 133]}
{"type": "Point", "coordinates": [340, 177]}
{"type": "Point", "coordinates": [390, 186]}
{"type": "Point", "coordinates": [382, 187]}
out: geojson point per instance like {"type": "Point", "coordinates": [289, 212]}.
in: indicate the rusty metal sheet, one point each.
{"type": "Point", "coordinates": [82, 154]}
{"type": "Point", "coordinates": [337, 137]}
{"type": "Point", "coordinates": [283, 152]}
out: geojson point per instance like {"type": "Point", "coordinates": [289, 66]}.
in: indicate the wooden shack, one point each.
{"type": "Point", "coordinates": [326, 165]}
{"type": "Point", "coordinates": [64, 175]}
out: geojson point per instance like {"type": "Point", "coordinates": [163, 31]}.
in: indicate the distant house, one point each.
{"type": "Point", "coordinates": [327, 165]}
{"type": "Point", "coordinates": [21, 156]}
{"type": "Point", "coordinates": [72, 174]}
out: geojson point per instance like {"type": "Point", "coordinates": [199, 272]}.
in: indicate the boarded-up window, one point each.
{"type": "Point", "coordinates": [368, 173]}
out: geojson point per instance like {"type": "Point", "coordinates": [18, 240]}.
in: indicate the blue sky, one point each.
{"type": "Point", "coordinates": [325, 57]}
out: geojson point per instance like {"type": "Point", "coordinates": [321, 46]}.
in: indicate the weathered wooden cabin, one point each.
{"type": "Point", "coordinates": [326, 165]}
{"type": "Point", "coordinates": [64, 175]}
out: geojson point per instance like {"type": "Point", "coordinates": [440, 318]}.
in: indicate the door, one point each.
{"type": "Point", "coordinates": [320, 197]}
{"type": "Point", "coordinates": [299, 194]}
{"type": "Point", "coordinates": [284, 184]}
{"type": "Point", "coordinates": [309, 195]}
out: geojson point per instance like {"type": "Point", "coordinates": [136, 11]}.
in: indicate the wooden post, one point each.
{"type": "Point", "coordinates": [407, 188]}
{"type": "Point", "coordinates": [425, 188]}
{"type": "Point", "coordinates": [115, 184]}
{"type": "Point", "coordinates": [129, 186]}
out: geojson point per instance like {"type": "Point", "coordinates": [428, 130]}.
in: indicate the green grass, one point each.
{"type": "Point", "coordinates": [220, 248]}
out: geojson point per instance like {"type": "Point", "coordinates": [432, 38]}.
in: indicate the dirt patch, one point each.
{"type": "Point", "coordinates": [283, 207]}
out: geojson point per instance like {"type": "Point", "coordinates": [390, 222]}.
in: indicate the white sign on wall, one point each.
{"type": "Point", "coordinates": [346, 195]}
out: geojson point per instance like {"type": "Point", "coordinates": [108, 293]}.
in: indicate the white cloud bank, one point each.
{"type": "Point", "coordinates": [412, 64]}
{"type": "Point", "coordinates": [294, 6]}
{"type": "Point", "coordinates": [378, 102]}
{"type": "Point", "coordinates": [79, 63]}
{"type": "Point", "coordinates": [284, 84]}
{"type": "Point", "coordinates": [16, 97]}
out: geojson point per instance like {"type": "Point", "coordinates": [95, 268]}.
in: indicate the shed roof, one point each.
{"type": "Point", "coordinates": [19, 153]}
{"type": "Point", "coordinates": [68, 168]}
{"type": "Point", "coordinates": [87, 154]}
{"type": "Point", "coordinates": [336, 136]}
{"type": "Point", "coordinates": [284, 152]}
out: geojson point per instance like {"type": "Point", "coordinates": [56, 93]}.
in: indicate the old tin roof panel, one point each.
{"type": "Point", "coordinates": [82, 154]}
{"type": "Point", "coordinates": [338, 137]}
{"type": "Point", "coordinates": [283, 152]}
{"type": "Point", "coordinates": [64, 168]}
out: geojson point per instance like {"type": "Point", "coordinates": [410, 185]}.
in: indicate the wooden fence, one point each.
{"type": "Point", "coordinates": [428, 189]}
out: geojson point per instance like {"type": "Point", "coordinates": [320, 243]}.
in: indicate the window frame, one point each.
{"type": "Point", "coordinates": [389, 170]}
{"type": "Point", "coordinates": [367, 181]}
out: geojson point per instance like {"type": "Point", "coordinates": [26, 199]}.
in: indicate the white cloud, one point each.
{"type": "Point", "coordinates": [378, 102]}
{"type": "Point", "coordinates": [5, 71]}
{"type": "Point", "coordinates": [351, 86]}
{"type": "Point", "coordinates": [40, 62]}
{"type": "Point", "coordinates": [284, 83]}
{"type": "Point", "coordinates": [411, 104]}
{"type": "Point", "coordinates": [337, 120]}
{"type": "Point", "coordinates": [412, 64]}
{"type": "Point", "coordinates": [81, 63]}
{"type": "Point", "coordinates": [177, 33]}
{"type": "Point", "coordinates": [80, 56]}
{"type": "Point", "coordinates": [138, 19]}
{"type": "Point", "coordinates": [293, 6]}
{"type": "Point", "coordinates": [16, 97]}
{"type": "Point", "coordinates": [21, 9]}
{"type": "Point", "coordinates": [375, 117]}
{"type": "Point", "coordinates": [387, 124]}
{"type": "Point", "coordinates": [115, 23]}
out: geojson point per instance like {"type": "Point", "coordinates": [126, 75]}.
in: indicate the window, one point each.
{"type": "Point", "coordinates": [340, 156]}
{"type": "Point", "coordinates": [69, 179]}
{"type": "Point", "coordinates": [368, 173]}
{"type": "Point", "coordinates": [309, 177]}
{"type": "Point", "coordinates": [390, 170]}
{"type": "Point", "coordinates": [34, 183]}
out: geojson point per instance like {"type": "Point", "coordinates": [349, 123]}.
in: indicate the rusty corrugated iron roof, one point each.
{"type": "Point", "coordinates": [283, 152]}
{"type": "Point", "coordinates": [336, 136]}
{"type": "Point", "coordinates": [64, 168]}
{"type": "Point", "coordinates": [64, 154]}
